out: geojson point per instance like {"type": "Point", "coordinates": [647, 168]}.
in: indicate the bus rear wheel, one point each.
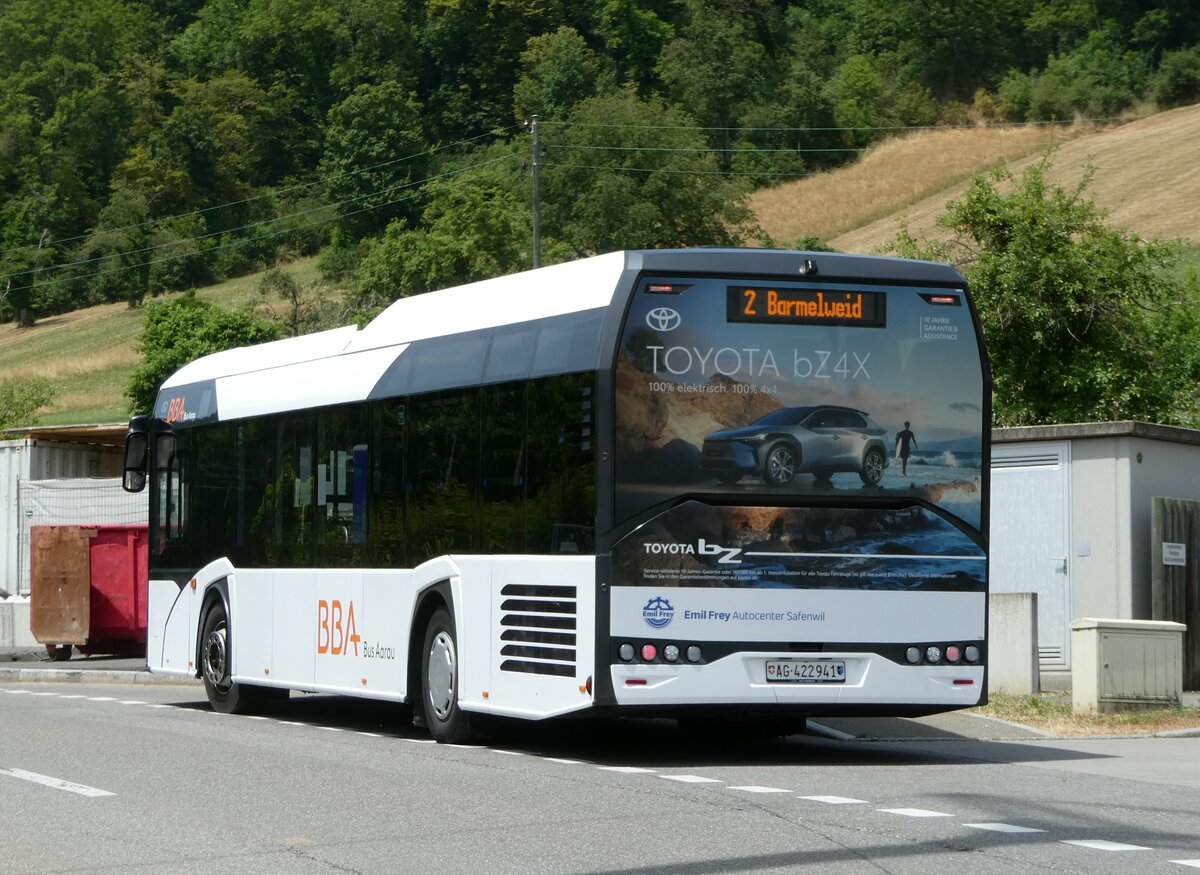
{"type": "Point", "coordinates": [216, 668]}
{"type": "Point", "coordinates": [447, 723]}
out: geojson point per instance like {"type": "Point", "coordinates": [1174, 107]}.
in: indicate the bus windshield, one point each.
{"type": "Point", "coordinates": [775, 393]}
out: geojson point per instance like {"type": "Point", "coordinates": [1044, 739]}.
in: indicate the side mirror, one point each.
{"type": "Point", "coordinates": [137, 444]}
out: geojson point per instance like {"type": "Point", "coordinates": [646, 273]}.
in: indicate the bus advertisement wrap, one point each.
{"type": "Point", "coordinates": [694, 544]}
{"type": "Point", "coordinates": [799, 389]}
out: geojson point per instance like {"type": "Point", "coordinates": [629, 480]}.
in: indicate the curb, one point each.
{"type": "Point", "coordinates": [89, 676]}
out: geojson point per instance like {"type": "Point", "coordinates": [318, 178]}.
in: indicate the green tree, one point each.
{"type": "Point", "coordinates": [477, 225]}
{"type": "Point", "coordinates": [20, 400]}
{"type": "Point", "coordinates": [558, 71]}
{"type": "Point", "coordinates": [713, 69]}
{"type": "Point", "coordinates": [1082, 322]}
{"type": "Point", "coordinates": [184, 329]}
{"type": "Point", "coordinates": [472, 49]}
{"type": "Point", "coordinates": [634, 36]}
{"type": "Point", "coordinates": [1177, 81]}
{"type": "Point", "coordinates": [375, 155]}
{"type": "Point", "coordinates": [305, 309]}
{"type": "Point", "coordinates": [632, 173]}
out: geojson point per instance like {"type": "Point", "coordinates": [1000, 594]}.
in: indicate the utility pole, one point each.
{"type": "Point", "coordinates": [537, 193]}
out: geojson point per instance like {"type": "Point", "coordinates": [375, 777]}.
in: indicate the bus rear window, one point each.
{"type": "Point", "coordinates": [774, 391]}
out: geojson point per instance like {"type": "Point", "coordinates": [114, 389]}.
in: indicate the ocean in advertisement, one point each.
{"type": "Point", "coordinates": [698, 545]}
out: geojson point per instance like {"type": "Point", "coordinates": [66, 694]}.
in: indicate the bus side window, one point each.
{"type": "Point", "coordinates": [561, 490]}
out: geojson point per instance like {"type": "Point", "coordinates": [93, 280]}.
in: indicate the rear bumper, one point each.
{"type": "Point", "coordinates": [872, 681]}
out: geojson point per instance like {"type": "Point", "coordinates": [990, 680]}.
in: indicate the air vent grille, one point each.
{"type": "Point", "coordinates": [539, 634]}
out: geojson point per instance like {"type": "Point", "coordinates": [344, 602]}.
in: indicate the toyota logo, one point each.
{"type": "Point", "coordinates": [663, 319]}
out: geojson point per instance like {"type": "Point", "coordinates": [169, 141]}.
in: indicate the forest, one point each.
{"type": "Point", "coordinates": [155, 145]}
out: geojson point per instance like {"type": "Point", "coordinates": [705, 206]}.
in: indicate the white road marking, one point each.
{"type": "Point", "coordinates": [329, 728]}
{"type": "Point", "coordinates": [44, 694]}
{"type": "Point", "coordinates": [76, 696]}
{"type": "Point", "coordinates": [691, 779]}
{"type": "Point", "coordinates": [291, 723]}
{"type": "Point", "coordinates": [627, 770]}
{"type": "Point", "coordinates": [106, 699]}
{"type": "Point", "coordinates": [159, 706]}
{"type": "Point", "coordinates": [1194, 864]}
{"type": "Point", "coordinates": [56, 783]}
{"type": "Point", "coordinates": [370, 734]}
{"type": "Point", "coordinates": [915, 812]}
{"type": "Point", "coordinates": [17, 692]}
{"type": "Point", "coordinates": [755, 789]}
{"type": "Point", "coordinates": [419, 740]}
{"type": "Point", "coordinates": [131, 702]}
{"type": "Point", "coordinates": [1102, 845]}
{"type": "Point", "coordinates": [563, 761]}
{"type": "Point", "coordinates": [1002, 827]}
{"type": "Point", "coordinates": [836, 800]}
{"type": "Point", "coordinates": [508, 753]}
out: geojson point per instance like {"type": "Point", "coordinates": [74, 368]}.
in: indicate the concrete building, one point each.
{"type": "Point", "coordinates": [1070, 521]}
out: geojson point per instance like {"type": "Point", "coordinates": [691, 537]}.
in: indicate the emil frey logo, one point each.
{"type": "Point", "coordinates": [663, 319]}
{"type": "Point", "coordinates": [658, 613]}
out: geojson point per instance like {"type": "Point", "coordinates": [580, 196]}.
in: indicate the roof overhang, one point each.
{"type": "Point", "coordinates": [102, 435]}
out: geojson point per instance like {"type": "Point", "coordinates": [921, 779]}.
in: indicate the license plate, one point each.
{"type": "Point", "coordinates": [806, 671]}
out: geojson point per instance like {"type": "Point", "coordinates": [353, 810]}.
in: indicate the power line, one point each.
{"type": "Point", "coordinates": [246, 227]}
{"type": "Point", "coordinates": [862, 129]}
{"type": "Point", "coordinates": [273, 193]}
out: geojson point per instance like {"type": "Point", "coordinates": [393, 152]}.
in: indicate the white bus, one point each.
{"type": "Point", "coordinates": [683, 483]}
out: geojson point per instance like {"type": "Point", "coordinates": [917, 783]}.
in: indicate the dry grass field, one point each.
{"type": "Point", "coordinates": [1147, 177]}
{"type": "Point", "coordinates": [88, 355]}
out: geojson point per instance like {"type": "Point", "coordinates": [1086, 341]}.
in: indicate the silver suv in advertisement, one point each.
{"type": "Point", "coordinates": [821, 441]}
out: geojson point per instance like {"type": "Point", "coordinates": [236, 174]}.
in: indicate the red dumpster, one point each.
{"type": "Point", "coordinates": [88, 588]}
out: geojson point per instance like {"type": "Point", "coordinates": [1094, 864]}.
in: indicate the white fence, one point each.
{"type": "Point", "coordinates": [83, 502]}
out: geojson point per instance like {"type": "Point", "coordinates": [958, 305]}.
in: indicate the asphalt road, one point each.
{"type": "Point", "coordinates": [140, 778]}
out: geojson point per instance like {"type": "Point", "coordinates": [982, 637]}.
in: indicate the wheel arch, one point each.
{"type": "Point", "coordinates": [216, 593]}
{"type": "Point", "coordinates": [438, 595]}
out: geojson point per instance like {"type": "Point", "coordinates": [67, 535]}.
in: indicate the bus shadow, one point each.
{"type": "Point", "coordinates": [663, 743]}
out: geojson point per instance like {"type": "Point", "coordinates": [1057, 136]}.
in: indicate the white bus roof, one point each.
{"type": "Point", "coordinates": [549, 291]}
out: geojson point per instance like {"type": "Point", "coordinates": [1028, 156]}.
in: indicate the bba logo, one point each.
{"type": "Point", "coordinates": [336, 629]}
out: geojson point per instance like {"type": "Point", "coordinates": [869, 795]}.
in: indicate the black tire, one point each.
{"type": "Point", "coordinates": [824, 476]}
{"type": "Point", "coordinates": [729, 479]}
{"type": "Point", "coordinates": [446, 721]}
{"type": "Point", "coordinates": [872, 468]}
{"type": "Point", "coordinates": [781, 465]}
{"type": "Point", "coordinates": [216, 664]}
{"type": "Point", "coordinates": [58, 652]}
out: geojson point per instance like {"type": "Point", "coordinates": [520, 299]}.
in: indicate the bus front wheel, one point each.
{"type": "Point", "coordinates": [447, 722]}
{"type": "Point", "coordinates": [216, 668]}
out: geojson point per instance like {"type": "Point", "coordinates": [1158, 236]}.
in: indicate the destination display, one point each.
{"type": "Point", "coordinates": [801, 306]}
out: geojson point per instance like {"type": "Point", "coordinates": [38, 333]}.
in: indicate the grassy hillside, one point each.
{"type": "Point", "coordinates": [1146, 176]}
{"type": "Point", "coordinates": [88, 355]}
